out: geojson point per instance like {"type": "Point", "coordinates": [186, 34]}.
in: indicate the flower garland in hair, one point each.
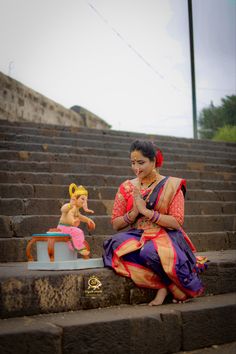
{"type": "Point", "coordinates": [159, 158]}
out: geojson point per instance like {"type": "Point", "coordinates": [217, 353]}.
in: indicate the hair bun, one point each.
{"type": "Point", "coordinates": [159, 158]}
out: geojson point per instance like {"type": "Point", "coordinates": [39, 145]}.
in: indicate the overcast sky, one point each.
{"type": "Point", "coordinates": [125, 60]}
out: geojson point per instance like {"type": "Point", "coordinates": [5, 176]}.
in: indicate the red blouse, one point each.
{"type": "Point", "coordinates": [124, 201]}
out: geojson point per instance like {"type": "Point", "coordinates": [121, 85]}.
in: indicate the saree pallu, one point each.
{"type": "Point", "coordinates": [153, 256]}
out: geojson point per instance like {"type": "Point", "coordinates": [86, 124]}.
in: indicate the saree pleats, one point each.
{"type": "Point", "coordinates": [164, 261]}
{"type": "Point", "coordinates": [121, 255]}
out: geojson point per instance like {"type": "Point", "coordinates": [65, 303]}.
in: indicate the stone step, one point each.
{"type": "Point", "coordinates": [71, 167]}
{"type": "Point", "coordinates": [228, 348]}
{"type": "Point", "coordinates": [203, 322]}
{"type": "Point", "coordinates": [26, 225]}
{"type": "Point", "coordinates": [54, 144]}
{"type": "Point", "coordinates": [110, 180]}
{"type": "Point", "coordinates": [210, 195]}
{"type": "Point", "coordinates": [190, 156]}
{"type": "Point", "coordinates": [58, 129]}
{"type": "Point", "coordinates": [13, 249]}
{"type": "Point", "coordinates": [111, 135]}
{"type": "Point", "coordinates": [172, 160]}
{"type": "Point", "coordinates": [28, 292]}
{"type": "Point", "coordinates": [209, 208]}
{"type": "Point", "coordinates": [38, 206]}
{"type": "Point", "coordinates": [99, 192]}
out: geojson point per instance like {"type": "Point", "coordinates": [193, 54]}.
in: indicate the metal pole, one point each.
{"type": "Point", "coordinates": [194, 103]}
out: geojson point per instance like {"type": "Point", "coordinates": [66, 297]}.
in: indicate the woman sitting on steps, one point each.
{"type": "Point", "coordinates": [154, 252]}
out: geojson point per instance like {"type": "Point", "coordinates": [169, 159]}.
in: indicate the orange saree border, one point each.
{"type": "Point", "coordinates": [145, 277]}
{"type": "Point", "coordinates": [168, 259]}
{"type": "Point", "coordinates": [141, 276]}
{"type": "Point", "coordinates": [128, 246]}
{"type": "Point", "coordinates": [170, 189]}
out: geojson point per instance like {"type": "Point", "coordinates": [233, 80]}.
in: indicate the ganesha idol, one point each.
{"type": "Point", "coordinates": [65, 242]}
{"type": "Point", "coordinates": [71, 218]}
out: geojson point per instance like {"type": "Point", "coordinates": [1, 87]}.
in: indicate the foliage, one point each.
{"type": "Point", "coordinates": [212, 118]}
{"type": "Point", "coordinates": [226, 133]}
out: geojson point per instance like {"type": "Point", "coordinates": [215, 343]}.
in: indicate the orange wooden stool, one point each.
{"type": "Point", "coordinates": [50, 239]}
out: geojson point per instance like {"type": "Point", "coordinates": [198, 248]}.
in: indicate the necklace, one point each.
{"type": "Point", "coordinates": [149, 180]}
{"type": "Point", "coordinates": [149, 184]}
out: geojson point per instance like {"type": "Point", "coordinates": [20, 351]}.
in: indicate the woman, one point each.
{"type": "Point", "coordinates": [155, 252]}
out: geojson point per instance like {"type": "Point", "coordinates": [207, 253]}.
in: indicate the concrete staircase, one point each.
{"type": "Point", "coordinates": [44, 311]}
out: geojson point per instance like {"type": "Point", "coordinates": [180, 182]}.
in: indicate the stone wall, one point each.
{"type": "Point", "coordinates": [20, 103]}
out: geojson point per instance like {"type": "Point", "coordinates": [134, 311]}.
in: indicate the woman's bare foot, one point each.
{"type": "Point", "coordinates": [159, 298]}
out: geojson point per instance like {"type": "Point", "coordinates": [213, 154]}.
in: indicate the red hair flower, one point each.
{"type": "Point", "coordinates": [159, 158]}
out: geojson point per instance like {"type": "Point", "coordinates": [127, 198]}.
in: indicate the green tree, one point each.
{"type": "Point", "coordinates": [226, 133]}
{"type": "Point", "coordinates": [212, 118]}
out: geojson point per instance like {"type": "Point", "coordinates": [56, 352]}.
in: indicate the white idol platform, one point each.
{"type": "Point", "coordinates": [64, 258]}
{"type": "Point", "coordinates": [67, 265]}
